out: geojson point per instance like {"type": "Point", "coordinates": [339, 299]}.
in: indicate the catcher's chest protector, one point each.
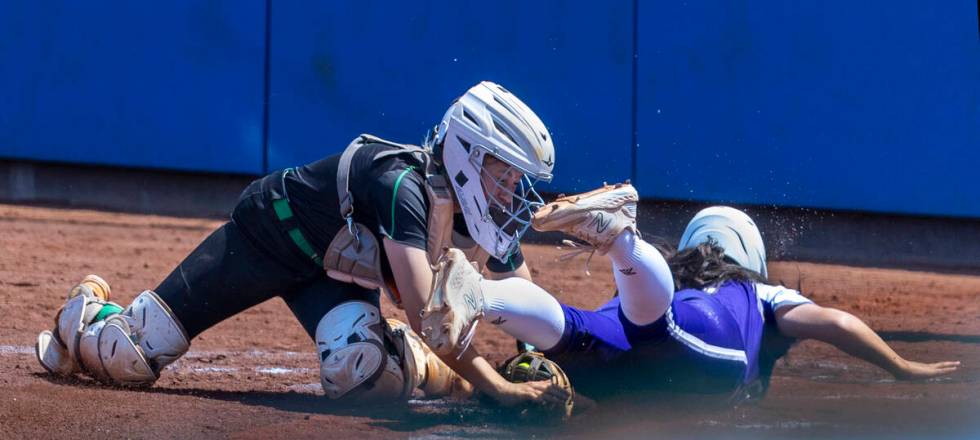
{"type": "Point", "coordinates": [440, 227]}
{"type": "Point", "coordinates": [353, 256]}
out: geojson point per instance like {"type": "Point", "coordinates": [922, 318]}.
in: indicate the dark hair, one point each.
{"type": "Point", "coordinates": [703, 266]}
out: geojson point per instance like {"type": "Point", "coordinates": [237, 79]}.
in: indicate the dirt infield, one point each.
{"type": "Point", "coordinates": [255, 375]}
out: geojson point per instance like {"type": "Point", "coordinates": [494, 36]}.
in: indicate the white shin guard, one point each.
{"type": "Point", "coordinates": [155, 329]}
{"type": "Point", "coordinates": [109, 355]}
{"type": "Point", "coordinates": [72, 320]}
{"type": "Point", "coordinates": [129, 348]}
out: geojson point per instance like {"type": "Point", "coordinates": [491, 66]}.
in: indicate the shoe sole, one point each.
{"type": "Point", "coordinates": [454, 292]}
{"type": "Point", "coordinates": [566, 211]}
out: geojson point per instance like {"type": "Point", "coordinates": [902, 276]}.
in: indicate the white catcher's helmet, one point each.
{"type": "Point", "coordinates": [489, 120]}
{"type": "Point", "coordinates": [734, 231]}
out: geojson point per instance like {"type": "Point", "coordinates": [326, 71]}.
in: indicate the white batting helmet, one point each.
{"type": "Point", "coordinates": [734, 231]}
{"type": "Point", "coordinates": [489, 120]}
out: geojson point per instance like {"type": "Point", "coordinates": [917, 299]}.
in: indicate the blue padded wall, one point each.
{"type": "Point", "coordinates": [392, 69]}
{"type": "Point", "coordinates": [871, 106]}
{"type": "Point", "coordinates": [174, 85]}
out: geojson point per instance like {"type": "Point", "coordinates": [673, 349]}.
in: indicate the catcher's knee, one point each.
{"type": "Point", "coordinates": [365, 359]}
{"type": "Point", "coordinates": [360, 361]}
{"type": "Point", "coordinates": [126, 347]}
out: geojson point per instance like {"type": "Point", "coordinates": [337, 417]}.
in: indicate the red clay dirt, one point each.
{"type": "Point", "coordinates": [255, 375]}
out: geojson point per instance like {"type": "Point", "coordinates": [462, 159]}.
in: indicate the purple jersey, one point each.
{"type": "Point", "coordinates": [708, 341]}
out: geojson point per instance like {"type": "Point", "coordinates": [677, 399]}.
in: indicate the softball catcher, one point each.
{"type": "Point", "coordinates": [327, 237]}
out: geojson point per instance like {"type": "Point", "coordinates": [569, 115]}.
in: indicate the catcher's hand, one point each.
{"type": "Point", "coordinates": [533, 366]}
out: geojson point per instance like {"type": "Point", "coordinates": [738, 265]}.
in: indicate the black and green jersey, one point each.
{"type": "Point", "coordinates": [389, 199]}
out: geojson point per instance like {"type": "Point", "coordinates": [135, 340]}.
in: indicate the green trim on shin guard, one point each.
{"type": "Point", "coordinates": [107, 311]}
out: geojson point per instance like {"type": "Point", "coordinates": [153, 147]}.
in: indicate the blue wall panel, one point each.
{"type": "Point", "coordinates": [834, 104]}
{"type": "Point", "coordinates": [392, 69]}
{"type": "Point", "coordinates": [165, 85]}
{"type": "Point", "coordinates": [861, 106]}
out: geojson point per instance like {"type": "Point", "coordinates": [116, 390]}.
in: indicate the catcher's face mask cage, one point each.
{"type": "Point", "coordinates": [511, 198]}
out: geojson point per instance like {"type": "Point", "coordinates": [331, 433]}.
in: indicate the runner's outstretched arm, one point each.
{"type": "Point", "coordinates": [851, 335]}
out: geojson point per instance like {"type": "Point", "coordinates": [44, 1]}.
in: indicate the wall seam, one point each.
{"type": "Point", "coordinates": [634, 140]}
{"type": "Point", "coordinates": [265, 87]}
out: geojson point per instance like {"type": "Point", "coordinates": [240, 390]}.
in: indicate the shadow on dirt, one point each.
{"type": "Point", "coordinates": [471, 419]}
{"type": "Point", "coordinates": [454, 418]}
{"type": "Point", "coordinates": [908, 336]}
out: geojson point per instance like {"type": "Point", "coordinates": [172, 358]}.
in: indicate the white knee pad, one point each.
{"type": "Point", "coordinates": [356, 363]}
{"type": "Point", "coordinates": [129, 348]}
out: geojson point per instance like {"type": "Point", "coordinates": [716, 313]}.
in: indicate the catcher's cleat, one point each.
{"type": "Point", "coordinates": [449, 318]}
{"type": "Point", "coordinates": [53, 355]}
{"type": "Point", "coordinates": [91, 284]}
{"type": "Point", "coordinates": [56, 349]}
{"type": "Point", "coordinates": [596, 217]}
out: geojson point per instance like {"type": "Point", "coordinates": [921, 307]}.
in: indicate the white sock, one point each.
{"type": "Point", "coordinates": [643, 278]}
{"type": "Point", "coordinates": [524, 310]}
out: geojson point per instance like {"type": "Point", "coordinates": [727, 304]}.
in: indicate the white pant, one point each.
{"type": "Point", "coordinates": [529, 313]}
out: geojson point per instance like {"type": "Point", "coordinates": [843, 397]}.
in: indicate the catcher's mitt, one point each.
{"type": "Point", "coordinates": [531, 366]}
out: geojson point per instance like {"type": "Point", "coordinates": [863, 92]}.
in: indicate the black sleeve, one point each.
{"type": "Point", "coordinates": [400, 207]}
{"type": "Point", "coordinates": [516, 260]}
{"type": "Point", "coordinates": [493, 264]}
